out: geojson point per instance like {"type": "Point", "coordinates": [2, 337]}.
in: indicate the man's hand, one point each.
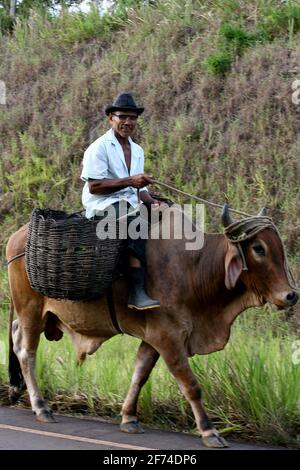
{"type": "Point", "coordinates": [148, 200]}
{"type": "Point", "coordinates": [141, 180]}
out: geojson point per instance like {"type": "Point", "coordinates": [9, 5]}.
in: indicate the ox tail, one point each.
{"type": "Point", "coordinates": [16, 378]}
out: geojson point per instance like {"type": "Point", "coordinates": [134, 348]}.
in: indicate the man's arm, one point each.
{"type": "Point", "coordinates": [107, 186]}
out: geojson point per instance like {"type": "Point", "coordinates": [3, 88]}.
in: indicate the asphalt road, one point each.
{"type": "Point", "coordinates": [20, 431]}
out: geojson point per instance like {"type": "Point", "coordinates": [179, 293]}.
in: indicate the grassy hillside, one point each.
{"type": "Point", "coordinates": [215, 78]}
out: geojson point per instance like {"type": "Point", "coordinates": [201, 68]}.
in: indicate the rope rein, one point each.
{"type": "Point", "coordinates": [209, 203]}
{"type": "Point", "coordinates": [243, 229]}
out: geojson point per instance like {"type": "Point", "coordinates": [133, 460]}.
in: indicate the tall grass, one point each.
{"type": "Point", "coordinates": [251, 389]}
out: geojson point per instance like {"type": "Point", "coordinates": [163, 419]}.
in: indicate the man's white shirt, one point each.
{"type": "Point", "coordinates": [104, 158]}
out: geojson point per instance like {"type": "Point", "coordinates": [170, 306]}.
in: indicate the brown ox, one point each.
{"type": "Point", "coordinates": [201, 293]}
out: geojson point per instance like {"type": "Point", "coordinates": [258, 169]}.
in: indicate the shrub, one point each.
{"type": "Point", "coordinates": [6, 23]}
{"type": "Point", "coordinates": [283, 20]}
{"type": "Point", "coordinates": [237, 38]}
{"type": "Point", "coordinates": [218, 63]}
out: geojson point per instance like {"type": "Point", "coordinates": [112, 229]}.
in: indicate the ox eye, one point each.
{"type": "Point", "coordinates": [259, 250]}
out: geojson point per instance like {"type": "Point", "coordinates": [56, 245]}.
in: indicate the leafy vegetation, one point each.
{"type": "Point", "coordinates": [218, 62]}
{"type": "Point", "coordinates": [12, 10]}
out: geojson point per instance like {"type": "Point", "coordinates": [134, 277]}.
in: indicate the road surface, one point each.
{"type": "Point", "coordinates": [20, 431]}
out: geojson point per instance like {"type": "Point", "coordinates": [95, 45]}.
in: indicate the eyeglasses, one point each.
{"type": "Point", "coordinates": [124, 117]}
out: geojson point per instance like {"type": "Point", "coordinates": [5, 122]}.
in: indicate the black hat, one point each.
{"type": "Point", "coordinates": [123, 102]}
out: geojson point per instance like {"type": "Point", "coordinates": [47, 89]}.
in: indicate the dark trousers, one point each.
{"type": "Point", "coordinates": [134, 247]}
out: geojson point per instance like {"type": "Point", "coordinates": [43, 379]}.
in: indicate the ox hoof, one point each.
{"type": "Point", "coordinates": [133, 427]}
{"type": "Point", "coordinates": [214, 441]}
{"type": "Point", "coordinates": [14, 394]}
{"type": "Point", "coordinates": [45, 416]}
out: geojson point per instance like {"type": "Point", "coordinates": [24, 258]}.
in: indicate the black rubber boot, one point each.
{"type": "Point", "coordinates": [137, 296]}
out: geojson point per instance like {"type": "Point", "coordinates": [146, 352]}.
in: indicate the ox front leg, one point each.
{"type": "Point", "coordinates": [178, 365]}
{"type": "Point", "coordinates": [25, 343]}
{"type": "Point", "coordinates": [145, 361]}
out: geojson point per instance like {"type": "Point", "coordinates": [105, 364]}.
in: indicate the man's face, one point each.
{"type": "Point", "coordinates": [123, 122]}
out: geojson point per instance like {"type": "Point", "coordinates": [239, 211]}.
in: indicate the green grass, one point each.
{"type": "Point", "coordinates": [218, 63]}
{"type": "Point", "coordinates": [251, 389]}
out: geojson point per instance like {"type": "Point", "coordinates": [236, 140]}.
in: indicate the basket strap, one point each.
{"type": "Point", "coordinates": [15, 257]}
{"type": "Point", "coordinates": [112, 311]}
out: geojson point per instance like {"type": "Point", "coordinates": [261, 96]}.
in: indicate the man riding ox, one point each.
{"type": "Point", "coordinates": [113, 169]}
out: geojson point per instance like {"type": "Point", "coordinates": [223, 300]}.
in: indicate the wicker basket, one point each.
{"type": "Point", "coordinates": [64, 257]}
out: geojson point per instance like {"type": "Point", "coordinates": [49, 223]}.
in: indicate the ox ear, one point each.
{"type": "Point", "coordinates": [233, 266]}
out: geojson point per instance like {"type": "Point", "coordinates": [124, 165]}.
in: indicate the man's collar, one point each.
{"type": "Point", "coordinates": [112, 137]}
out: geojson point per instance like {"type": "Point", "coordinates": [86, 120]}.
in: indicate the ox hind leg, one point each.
{"type": "Point", "coordinates": [16, 379]}
{"type": "Point", "coordinates": [177, 362]}
{"type": "Point", "coordinates": [25, 343]}
{"type": "Point", "coordinates": [146, 359]}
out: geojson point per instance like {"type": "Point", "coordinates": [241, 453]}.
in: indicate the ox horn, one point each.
{"type": "Point", "coordinates": [226, 219]}
{"type": "Point", "coordinates": [263, 212]}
